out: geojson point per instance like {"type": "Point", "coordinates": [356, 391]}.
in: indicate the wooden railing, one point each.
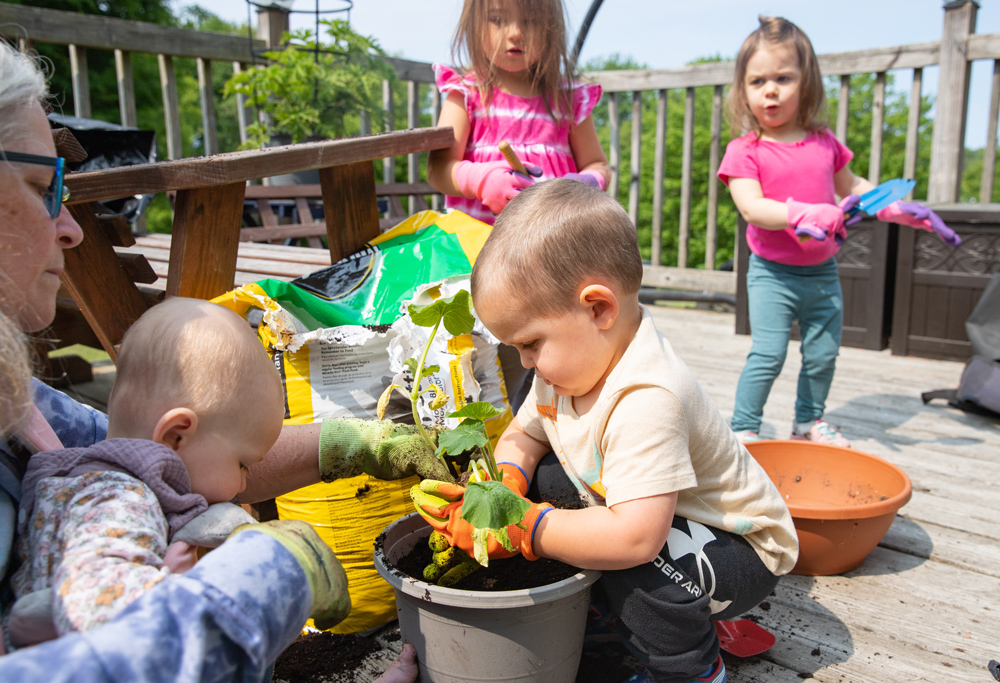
{"type": "Point", "coordinates": [954, 53]}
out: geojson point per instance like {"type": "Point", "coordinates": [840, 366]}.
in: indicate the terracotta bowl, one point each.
{"type": "Point", "coordinates": [842, 500]}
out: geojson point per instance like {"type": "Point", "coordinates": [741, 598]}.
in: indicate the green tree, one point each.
{"type": "Point", "coordinates": [897, 112]}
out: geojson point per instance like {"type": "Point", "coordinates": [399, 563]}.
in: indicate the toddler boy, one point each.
{"type": "Point", "coordinates": [196, 402]}
{"type": "Point", "coordinates": [685, 525]}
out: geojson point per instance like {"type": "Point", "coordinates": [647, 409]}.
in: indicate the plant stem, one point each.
{"type": "Point", "coordinates": [415, 393]}
{"type": "Point", "coordinates": [491, 461]}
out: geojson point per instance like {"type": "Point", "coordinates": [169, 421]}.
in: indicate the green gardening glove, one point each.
{"type": "Point", "coordinates": [351, 446]}
{"type": "Point", "coordinates": [327, 580]}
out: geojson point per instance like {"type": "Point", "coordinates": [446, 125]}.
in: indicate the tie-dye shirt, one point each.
{"type": "Point", "coordinates": [524, 122]}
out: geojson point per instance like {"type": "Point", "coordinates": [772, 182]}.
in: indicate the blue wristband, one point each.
{"type": "Point", "coordinates": [537, 520]}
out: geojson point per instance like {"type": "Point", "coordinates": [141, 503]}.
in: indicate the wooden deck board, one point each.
{"type": "Point", "coordinates": [925, 605]}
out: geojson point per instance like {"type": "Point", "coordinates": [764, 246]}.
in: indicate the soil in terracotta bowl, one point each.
{"type": "Point", "coordinates": [842, 500]}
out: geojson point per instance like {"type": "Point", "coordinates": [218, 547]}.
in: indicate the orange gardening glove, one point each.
{"type": "Point", "coordinates": [440, 503]}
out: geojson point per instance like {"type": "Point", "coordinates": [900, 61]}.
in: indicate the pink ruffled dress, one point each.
{"type": "Point", "coordinates": [524, 122]}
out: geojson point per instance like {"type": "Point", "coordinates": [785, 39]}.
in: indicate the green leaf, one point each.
{"type": "Point", "coordinates": [480, 410]}
{"type": "Point", "coordinates": [480, 539]}
{"type": "Point", "coordinates": [464, 437]}
{"type": "Point", "coordinates": [491, 505]}
{"type": "Point", "coordinates": [455, 312]}
{"type": "Point", "coordinates": [412, 363]}
{"type": "Point", "coordinates": [458, 318]}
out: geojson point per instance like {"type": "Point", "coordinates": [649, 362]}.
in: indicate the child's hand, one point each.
{"type": "Point", "coordinates": [494, 183]}
{"type": "Point", "coordinates": [180, 557]}
{"type": "Point", "coordinates": [592, 178]}
{"type": "Point", "coordinates": [919, 216]}
{"type": "Point", "coordinates": [440, 504]}
{"type": "Point", "coordinates": [818, 221]}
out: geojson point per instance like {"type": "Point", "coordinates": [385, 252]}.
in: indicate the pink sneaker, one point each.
{"type": "Point", "coordinates": [819, 431]}
{"type": "Point", "coordinates": [746, 436]}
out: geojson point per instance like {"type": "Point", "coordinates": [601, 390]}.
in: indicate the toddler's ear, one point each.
{"type": "Point", "coordinates": [176, 427]}
{"type": "Point", "coordinates": [602, 303]}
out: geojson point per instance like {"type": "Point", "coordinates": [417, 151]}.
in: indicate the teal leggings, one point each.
{"type": "Point", "coordinates": [778, 295]}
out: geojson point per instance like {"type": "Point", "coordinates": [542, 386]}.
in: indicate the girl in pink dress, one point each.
{"type": "Point", "coordinates": [518, 88]}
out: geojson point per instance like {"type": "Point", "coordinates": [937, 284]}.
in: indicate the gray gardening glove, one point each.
{"type": "Point", "coordinates": [212, 527]}
{"type": "Point", "coordinates": [380, 448]}
{"type": "Point", "coordinates": [30, 620]}
{"type": "Point", "coordinates": [327, 580]}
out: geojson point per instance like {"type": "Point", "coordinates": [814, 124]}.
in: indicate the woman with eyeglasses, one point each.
{"type": "Point", "coordinates": [231, 615]}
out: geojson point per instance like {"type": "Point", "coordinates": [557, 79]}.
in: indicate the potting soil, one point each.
{"type": "Point", "coordinates": [315, 657]}
{"type": "Point", "coordinates": [515, 573]}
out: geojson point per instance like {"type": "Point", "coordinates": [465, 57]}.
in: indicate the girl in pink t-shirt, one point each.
{"type": "Point", "coordinates": [784, 175]}
{"type": "Point", "coordinates": [518, 89]}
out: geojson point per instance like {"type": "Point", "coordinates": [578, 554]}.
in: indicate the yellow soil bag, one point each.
{"type": "Point", "coordinates": [339, 337]}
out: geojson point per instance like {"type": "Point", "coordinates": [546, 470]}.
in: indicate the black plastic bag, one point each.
{"type": "Point", "coordinates": [109, 145]}
{"type": "Point", "coordinates": [979, 387]}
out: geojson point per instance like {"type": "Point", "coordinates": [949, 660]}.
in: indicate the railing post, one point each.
{"type": "Point", "coordinates": [711, 223]}
{"type": "Point", "coordinates": [171, 107]}
{"type": "Point", "coordinates": [843, 108]}
{"type": "Point", "coordinates": [687, 159]}
{"type": "Point", "coordinates": [412, 121]}
{"type": "Point", "coordinates": [126, 88]}
{"type": "Point", "coordinates": [81, 81]}
{"type": "Point", "coordinates": [614, 142]}
{"type": "Point", "coordinates": [878, 122]}
{"type": "Point", "coordinates": [272, 23]}
{"type": "Point", "coordinates": [990, 151]}
{"type": "Point", "coordinates": [435, 115]}
{"type": "Point", "coordinates": [913, 127]}
{"type": "Point", "coordinates": [659, 152]}
{"type": "Point", "coordinates": [636, 158]}
{"type": "Point", "coordinates": [209, 129]}
{"type": "Point", "coordinates": [948, 143]}
{"type": "Point", "coordinates": [389, 163]}
{"type": "Point", "coordinates": [244, 114]}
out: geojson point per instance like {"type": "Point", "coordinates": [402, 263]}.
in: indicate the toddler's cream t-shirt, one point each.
{"type": "Point", "coordinates": [654, 430]}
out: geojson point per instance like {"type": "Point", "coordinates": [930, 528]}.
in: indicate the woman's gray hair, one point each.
{"type": "Point", "coordinates": [22, 82]}
{"type": "Point", "coordinates": [15, 377]}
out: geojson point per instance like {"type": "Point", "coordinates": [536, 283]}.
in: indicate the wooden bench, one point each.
{"type": "Point", "coordinates": [305, 199]}
{"type": "Point", "coordinates": [204, 250]}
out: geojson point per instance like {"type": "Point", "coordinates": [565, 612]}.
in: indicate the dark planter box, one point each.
{"type": "Point", "coordinates": [867, 275]}
{"type": "Point", "coordinates": [938, 286]}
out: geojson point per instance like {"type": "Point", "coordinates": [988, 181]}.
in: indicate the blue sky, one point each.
{"type": "Point", "coordinates": [668, 33]}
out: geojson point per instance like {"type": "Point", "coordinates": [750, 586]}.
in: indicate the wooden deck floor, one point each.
{"type": "Point", "coordinates": [925, 605]}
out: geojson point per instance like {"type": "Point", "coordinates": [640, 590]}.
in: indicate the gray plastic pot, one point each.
{"type": "Point", "coordinates": [460, 636]}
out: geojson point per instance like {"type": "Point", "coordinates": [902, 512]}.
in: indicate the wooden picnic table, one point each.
{"type": "Point", "coordinates": [208, 209]}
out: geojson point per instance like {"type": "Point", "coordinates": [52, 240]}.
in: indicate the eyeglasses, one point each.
{"type": "Point", "coordinates": [57, 192]}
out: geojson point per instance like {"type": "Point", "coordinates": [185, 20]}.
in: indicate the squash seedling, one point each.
{"type": "Point", "coordinates": [488, 505]}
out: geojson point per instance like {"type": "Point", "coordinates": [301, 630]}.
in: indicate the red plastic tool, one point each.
{"type": "Point", "coordinates": [743, 638]}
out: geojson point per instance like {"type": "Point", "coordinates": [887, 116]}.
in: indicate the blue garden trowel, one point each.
{"type": "Point", "coordinates": [871, 202]}
{"type": "Point", "coordinates": [882, 196]}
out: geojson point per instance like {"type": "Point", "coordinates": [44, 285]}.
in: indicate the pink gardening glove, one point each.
{"type": "Point", "coordinates": [919, 216]}
{"type": "Point", "coordinates": [493, 183]}
{"type": "Point", "coordinates": [819, 221]}
{"type": "Point", "coordinates": [591, 177]}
